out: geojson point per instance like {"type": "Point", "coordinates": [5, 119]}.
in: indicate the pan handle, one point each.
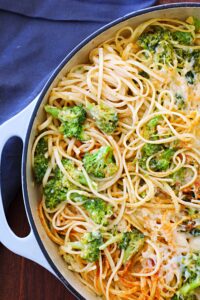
{"type": "Point", "coordinates": [28, 246]}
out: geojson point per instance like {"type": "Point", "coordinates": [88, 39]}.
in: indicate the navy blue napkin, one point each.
{"type": "Point", "coordinates": [35, 36]}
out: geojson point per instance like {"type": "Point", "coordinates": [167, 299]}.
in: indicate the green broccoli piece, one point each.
{"type": "Point", "coordinates": [88, 245]}
{"type": "Point", "coordinates": [190, 76]}
{"type": "Point", "coordinates": [183, 38]}
{"type": "Point", "coordinates": [130, 241]}
{"type": "Point", "coordinates": [168, 153]}
{"type": "Point", "coordinates": [56, 189]}
{"type": "Point", "coordinates": [150, 40]}
{"type": "Point", "coordinates": [105, 117]}
{"type": "Point", "coordinates": [180, 101]}
{"type": "Point", "coordinates": [55, 192]}
{"type": "Point", "coordinates": [99, 211]}
{"type": "Point", "coordinates": [190, 276]}
{"type": "Point", "coordinates": [191, 57]}
{"type": "Point", "coordinates": [150, 130]}
{"type": "Point", "coordinates": [150, 149]}
{"type": "Point", "coordinates": [40, 161]}
{"type": "Point", "coordinates": [76, 174]}
{"type": "Point", "coordinates": [100, 163]}
{"type": "Point", "coordinates": [160, 42]}
{"type": "Point", "coordinates": [154, 122]}
{"type": "Point", "coordinates": [162, 161]}
{"type": "Point", "coordinates": [164, 53]}
{"type": "Point", "coordinates": [159, 165]}
{"type": "Point", "coordinates": [72, 119]}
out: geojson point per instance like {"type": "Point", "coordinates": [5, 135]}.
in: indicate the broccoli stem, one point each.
{"type": "Point", "coordinates": [112, 240]}
{"type": "Point", "coordinates": [54, 111]}
{"type": "Point", "coordinates": [189, 287]}
{"type": "Point", "coordinates": [75, 245]}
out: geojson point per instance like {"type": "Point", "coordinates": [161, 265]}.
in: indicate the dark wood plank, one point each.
{"type": "Point", "coordinates": [21, 279]}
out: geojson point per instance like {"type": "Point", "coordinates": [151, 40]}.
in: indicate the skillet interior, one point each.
{"type": "Point", "coordinates": [31, 192]}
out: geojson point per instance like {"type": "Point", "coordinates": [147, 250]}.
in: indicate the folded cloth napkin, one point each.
{"type": "Point", "coordinates": [35, 36]}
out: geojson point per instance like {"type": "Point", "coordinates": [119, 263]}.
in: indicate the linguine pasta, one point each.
{"type": "Point", "coordinates": [148, 76]}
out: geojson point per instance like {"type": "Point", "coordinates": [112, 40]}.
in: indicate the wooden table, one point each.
{"type": "Point", "coordinates": [21, 279]}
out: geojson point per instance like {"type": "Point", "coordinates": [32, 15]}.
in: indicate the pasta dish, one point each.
{"type": "Point", "coordinates": [117, 158]}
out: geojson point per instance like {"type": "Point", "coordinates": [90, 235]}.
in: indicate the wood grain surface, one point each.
{"type": "Point", "coordinates": [21, 279]}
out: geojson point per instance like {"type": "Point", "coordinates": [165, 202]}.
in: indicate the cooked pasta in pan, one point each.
{"type": "Point", "coordinates": [118, 161]}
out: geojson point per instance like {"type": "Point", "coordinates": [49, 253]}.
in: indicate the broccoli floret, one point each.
{"type": "Point", "coordinates": [99, 211]}
{"type": "Point", "coordinates": [100, 163]}
{"type": "Point", "coordinates": [130, 241]}
{"type": "Point", "coordinates": [150, 40]}
{"type": "Point", "coordinates": [183, 38]}
{"type": "Point", "coordinates": [56, 189]}
{"type": "Point", "coordinates": [88, 245]}
{"type": "Point", "coordinates": [159, 165]}
{"type": "Point", "coordinates": [190, 76]}
{"type": "Point", "coordinates": [192, 57]}
{"type": "Point", "coordinates": [105, 117]}
{"type": "Point", "coordinates": [55, 192]}
{"type": "Point", "coordinates": [180, 101]}
{"type": "Point", "coordinates": [150, 149]}
{"type": "Point", "coordinates": [40, 161]}
{"type": "Point", "coordinates": [154, 122]}
{"type": "Point", "coordinates": [150, 130]}
{"type": "Point", "coordinates": [190, 276]}
{"type": "Point", "coordinates": [72, 119]}
{"type": "Point", "coordinates": [164, 53]}
{"type": "Point", "coordinates": [76, 174]}
{"type": "Point", "coordinates": [161, 44]}
{"type": "Point", "coordinates": [162, 161]}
